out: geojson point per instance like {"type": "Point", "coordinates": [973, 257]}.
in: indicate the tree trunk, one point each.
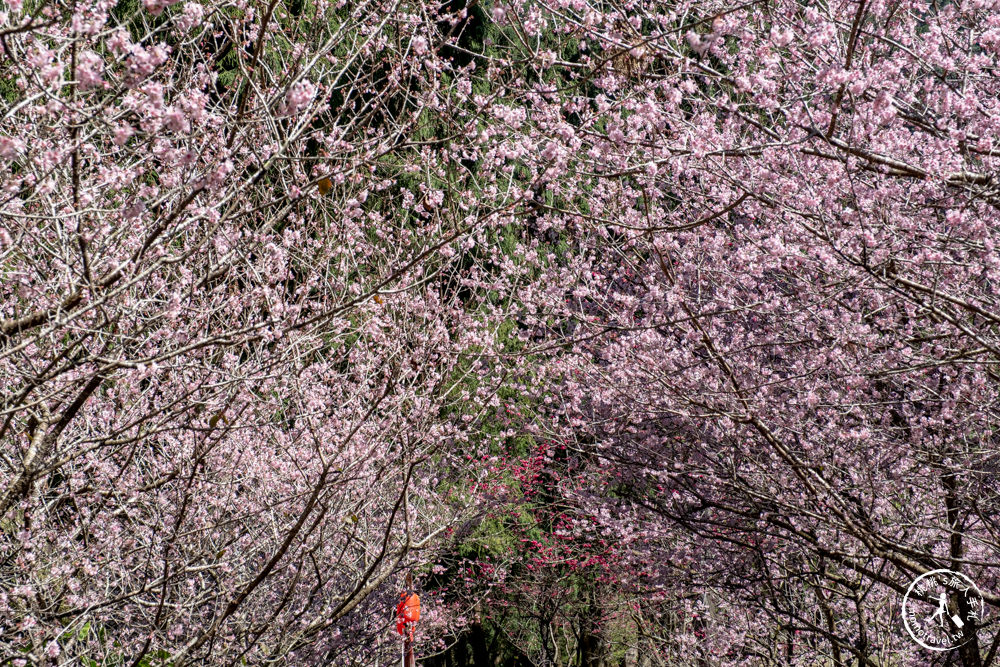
{"type": "Point", "coordinates": [480, 654]}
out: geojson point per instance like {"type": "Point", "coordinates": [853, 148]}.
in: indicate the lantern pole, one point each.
{"type": "Point", "coordinates": [408, 659]}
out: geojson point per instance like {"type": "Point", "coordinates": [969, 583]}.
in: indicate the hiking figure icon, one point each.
{"type": "Point", "coordinates": [942, 611]}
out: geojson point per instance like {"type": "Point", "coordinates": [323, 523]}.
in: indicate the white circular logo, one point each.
{"type": "Point", "coordinates": [941, 610]}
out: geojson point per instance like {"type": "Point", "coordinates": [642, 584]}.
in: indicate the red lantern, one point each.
{"type": "Point", "coordinates": [408, 608]}
{"type": "Point", "coordinates": [407, 612]}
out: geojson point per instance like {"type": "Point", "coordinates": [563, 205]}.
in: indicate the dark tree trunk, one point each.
{"type": "Point", "coordinates": [592, 650]}
{"type": "Point", "coordinates": [480, 654]}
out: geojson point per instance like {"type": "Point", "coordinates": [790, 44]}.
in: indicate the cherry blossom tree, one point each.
{"type": "Point", "coordinates": [775, 321]}
{"type": "Point", "coordinates": [242, 337]}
